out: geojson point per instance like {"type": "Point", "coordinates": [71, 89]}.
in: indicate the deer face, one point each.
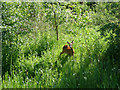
{"type": "Point", "coordinates": [70, 44]}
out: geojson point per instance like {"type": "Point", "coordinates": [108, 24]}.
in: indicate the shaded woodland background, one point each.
{"type": "Point", "coordinates": [33, 35]}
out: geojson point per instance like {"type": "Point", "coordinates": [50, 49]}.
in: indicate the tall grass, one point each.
{"type": "Point", "coordinates": [38, 64]}
{"type": "Point", "coordinates": [33, 60]}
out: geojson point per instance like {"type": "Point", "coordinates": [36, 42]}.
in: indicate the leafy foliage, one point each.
{"type": "Point", "coordinates": [30, 51]}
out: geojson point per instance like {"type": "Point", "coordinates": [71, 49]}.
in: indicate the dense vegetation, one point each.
{"type": "Point", "coordinates": [33, 35]}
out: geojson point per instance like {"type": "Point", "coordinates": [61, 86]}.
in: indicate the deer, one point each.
{"type": "Point", "coordinates": [68, 49]}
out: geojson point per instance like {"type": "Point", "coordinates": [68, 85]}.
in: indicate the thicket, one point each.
{"type": "Point", "coordinates": [33, 35]}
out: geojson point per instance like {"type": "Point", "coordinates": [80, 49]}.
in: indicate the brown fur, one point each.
{"type": "Point", "coordinates": [68, 50]}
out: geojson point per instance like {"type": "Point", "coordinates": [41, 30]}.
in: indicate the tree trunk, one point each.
{"type": "Point", "coordinates": [56, 26]}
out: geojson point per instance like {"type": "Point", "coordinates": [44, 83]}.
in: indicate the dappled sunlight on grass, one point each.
{"type": "Point", "coordinates": [31, 51]}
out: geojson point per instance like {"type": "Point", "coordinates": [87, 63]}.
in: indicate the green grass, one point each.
{"type": "Point", "coordinates": [38, 64]}
{"type": "Point", "coordinates": [32, 59]}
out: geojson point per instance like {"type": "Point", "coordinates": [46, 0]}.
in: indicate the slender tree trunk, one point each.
{"type": "Point", "coordinates": [0, 53]}
{"type": "Point", "coordinates": [56, 26]}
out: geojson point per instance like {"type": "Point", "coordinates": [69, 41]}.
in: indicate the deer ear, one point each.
{"type": "Point", "coordinates": [72, 41]}
{"type": "Point", "coordinates": [67, 42]}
